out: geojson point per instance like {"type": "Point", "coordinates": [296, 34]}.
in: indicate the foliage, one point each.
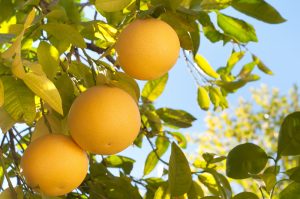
{"type": "Point", "coordinates": [51, 51]}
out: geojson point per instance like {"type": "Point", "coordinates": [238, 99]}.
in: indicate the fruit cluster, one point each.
{"type": "Point", "coordinates": [104, 119]}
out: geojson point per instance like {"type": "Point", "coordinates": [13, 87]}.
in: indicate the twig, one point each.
{"type": "Point", "coordinates": [154, 150]}
{"type": "Point", "coordinates": [13, 191]}
{"type": "Point", "coordinates": [13, 151]}
{"type": "Point", "coordinates": [44, 116]}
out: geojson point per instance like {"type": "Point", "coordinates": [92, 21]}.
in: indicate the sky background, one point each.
{"type": "Point", "coordinates": [278, 47]}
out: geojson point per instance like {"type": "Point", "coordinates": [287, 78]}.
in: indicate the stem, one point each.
{"type": "Point", "coordinates": [262, 193]}
{"type": "Point", "coordinates": [13, 152]}
{"type": "Point", "coordinates": [153, 149]}
{"type": "Point", "coordinates": [13, 191]}
{"type": "Point", "coordinates": [44, 116]}
{"type": "Point", "coordinates": [138, 5]}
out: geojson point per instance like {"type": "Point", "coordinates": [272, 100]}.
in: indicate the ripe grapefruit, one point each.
{"type": "Point", "coordinates": [104, 120]}
{"type": "Point", "coordinates": [54, 164]}
{"type": "Point", "coordinates": [147, 49]}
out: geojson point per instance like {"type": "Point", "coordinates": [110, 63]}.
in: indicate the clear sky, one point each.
{"type": "Point", "coordinates": [278, 47]}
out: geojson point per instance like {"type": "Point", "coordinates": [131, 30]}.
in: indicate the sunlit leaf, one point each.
{"type": "Point", "coordinates": [180, 179]}
{"type": "Point", "coordinates": [292, 191]}
{"type": "Point", "coordinates": [246, 195]}
{"type": "Point", "coordinates": [154, 88]}
{"type": "Point", "coordinates": [178, 118]}
{"type": "Point", "coordinates": [45, 89]}
{"type": "Point", "coordinates": [111, 5]}
{"type": "Point", "coordinates": [238, 29]}
{"type": "Point", "coordinates": [258, 9]}
{"type": "Point", "coordinates": [205, 66]}
{"type": "Point", "coordinates": [203, 98]}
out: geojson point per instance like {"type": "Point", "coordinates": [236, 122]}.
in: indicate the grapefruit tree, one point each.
{"type": "Point", "coordinates": [70, 101]}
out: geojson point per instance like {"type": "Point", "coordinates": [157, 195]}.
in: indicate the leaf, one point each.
{"type": "Point", "coordinates": [195, 191]}
{"type": "Point", "coordinates": [213, 4]}
{"type": "Point", "coordinates": [154, 121]}
{"type": "Point", "coordinates": [180, 177]}
{"type": "Point", "coordinates": [205, 66]}
{"type": "Point", "coordinates": [162, 192]}
{"type": "Point", "coordinates": [247, 69]}
{"type": "Point", "coordinates": [294, 174]}
{"type": "Point", "coordinates": [7, 194]}
{"type": "Point", "coordinates": [174, 4]}
{"type": "Point", "coordinates": [127, 83]}
{"type": "Point", "coordinates": [209, 182]}
{"type": "Point", "coordinates": [246, 195]}
{"type": "Point", "coordinates": [289, 136]}
{"type": "Point", "coordinates": [181, 140]}
{"type": "Point", "coordinates": [162, 145]}
{"type": "Point", "coordinates": [1, 93]}
{"type": "Point", "coordinates": [292, 191]}
{"type": "Point", "coordinates": [48, 57]}
{"type": "Point", "coordinates": [245, 159]}
{"type": "Point", "coordinates": [203, 98]}
{"type": "Point", "coordinates": [238, 29]}
{"type": "Point", "coordinates": [18, 100]}
{"type": "Point", "coordinates": [258, 9]}
{"type": "Point", "coordinates": [261, 65]}
{"type": "Point", "coordinates": [111, 5]}
{"type": "Point", "coordinates": [4, 38]}
{"type": "Point", "coordinates": [154, 88]}
{"type": "Point", "coordinates": [45, 89]}
{"type": "Point", "coordinates": [234, 58]}
{"type": "Point", "coordinates": [116, 161]}
{"type": "Point", "coordinates": [6, 121]}
{"type": "Point", "coordinates": [65, 32]}
{"type": "Point", "coordinates": [177, 118]}
{"type": "Point", "coordinates": [82, 72]}
{"type": "Point", "coordinates": [222, 183]}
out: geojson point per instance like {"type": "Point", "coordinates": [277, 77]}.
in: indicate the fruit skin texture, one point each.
{"type": "Point", "coordinates": [54, 164]}
{"type": "Point", "coordinates": [147, 49]}
{"type": "Point", "coordinates": [104, 120]}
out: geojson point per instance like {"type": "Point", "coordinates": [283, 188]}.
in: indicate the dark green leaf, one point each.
{"type": "Point", "coordinates": [289, 136]}
{"type": "Point", "coordinates": [209, 29]}
{"type": "Point", "coordinates": [294, 174]}
{"type": "Point", "coordinates": [177, 118]}
{"type": "Point", "coordinates": [238, 29]}
{"type": "Point", "coordinates": [246, 195]}
{"type": "Point", "coordinates": [195, 191]}
{"type": "Point", "coordinates": [245, 159]}
{"type": "Point", "coordinates": [258, 9]}
{"type": "Point", "coordinates": [292, 191]}
{"type": "Point", "coordinates": [180, 178]}
{"type": "Point", "coordinates": [154, 88]}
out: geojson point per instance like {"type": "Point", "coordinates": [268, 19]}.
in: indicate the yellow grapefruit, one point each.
{"type": "Point", "coordinates": [147, 49]}
{"type": "Point", "coordinates": [104, 120]}
{"type": "Point", "coordinates": [54, 164]}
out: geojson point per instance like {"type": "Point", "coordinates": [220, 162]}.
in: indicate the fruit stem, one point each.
{"type": "Point", "coordinates": [138, 5]}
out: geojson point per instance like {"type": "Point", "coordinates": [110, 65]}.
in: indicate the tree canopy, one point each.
{"type": "Point", "coordinates": [52, 51]}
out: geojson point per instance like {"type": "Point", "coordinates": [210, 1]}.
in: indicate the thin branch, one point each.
{"type": "Point", "coordinates": [153, 149]}
{"type": "Point", "coordinates": [13, 191]}
{"type": "Point", "coordinates": [44, 116]}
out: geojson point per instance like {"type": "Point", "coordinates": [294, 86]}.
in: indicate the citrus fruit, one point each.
{"type": "Point", "coordinates": [147, 49]}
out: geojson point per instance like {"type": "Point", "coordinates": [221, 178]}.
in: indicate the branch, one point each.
{"type": "Point", "coordinates": [99, 50]}
{"type": "Point", "coordinates": [13, 191]}
{"type": "Point", "coordinates": [13, 151]}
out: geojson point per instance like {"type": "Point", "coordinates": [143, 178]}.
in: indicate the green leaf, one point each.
{"type": "Point", "coordinates": [209, 29]}
{"type": "Point", "coordinates": [18, 100]}
{"type": "Point", "coordinates": [1, 93]}
{"type": "Point", "coordinates": [154, 88]}
{"type": "Point", "coordinates": [48, 57]}
{"type": "Point", "coordinates": [45, 89]}
{"type": "Point", "coordinates": [195, 191]}
{"type": "Point", "coordinates": [111, 5]}
{"type": "Point", "coordinates": [292, 191]}
{"type": "Point", "coordinates": [261, 66]}
{"type": "Point", "coordinates": [116, 161]}
{"type": "Point", "coordinates": [258, 9]}
{"type": "Point", "coordinates": [234, 58]}
{"type": "Point", "coordinates": [177, 118]}
{"type": "Point", "coordinates": [245, 159]}
{"type": "Point", "coordinates": [65, 32]}
{"type": "Point", "coordinates": [83, 73]}
{"type": "Point", "coordinates": [294, 174]}
{"type": "Point", "coordinates": [205, 66]}
{"type": "Point", "coordinates": [210, 4]}
{"type": "Point", "coordinates": [162, 145]}
{"type": "Point", "coordinates": [162, 192]}
{"type": "Point", "coordinates": [246, 195]}
{"type": "Point", "coordinates": [222, 183]}
{"type": "Point", "coordinates": [181, 140]}
{"type": "Point", "coordinates": [247, 69]}
{"type": "Point", "coordinates": [238, 29]}
{"type": "Point", "coordinates": [180, 178]}
{"type": "Point", "coordinates": [209, 182]}
{"type": "Point", "coordinates": [153, 120]}
{"type": "Point", "coordinates": [127, 83]}
{"type": "Point", "coordinates": [289, 136]}
{"type": "Point", "coordinates": [6, 121]}
{"type": "Point", "coordinates": [203, 98]}
{"type": "Point", "coordinates": [4, 38]}
{"type": "Point", "coordinates": [66, 91]}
